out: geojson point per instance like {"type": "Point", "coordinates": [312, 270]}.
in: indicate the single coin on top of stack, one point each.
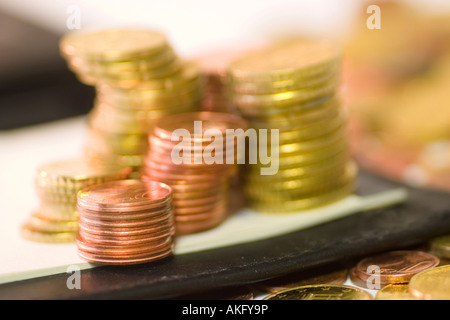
{"type": "Point", "coordinates": [57, 184]}
{"type": "Point", "coordinates": [139, 78]}
{"type": "Point", "coordinates": [125, 222]}
{"type": "Point", "coordinates": [291, 87]}
{"type": "Point", "coordinates": [200, 177]}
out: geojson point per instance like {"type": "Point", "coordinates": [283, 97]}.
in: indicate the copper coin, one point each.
{"type": "Point", "coordinates": [123, 249]}
{"type": "Point", "coordinates": [199, 202]}
{"type": "Point", "coordinates": [226, 142]}
{"type": "Point", "coordinates": [124, 195]}
{"type": "Point", "coordinates": [124, 231]}
{"type": "Point", "coordinates": [128, 216]}
{"type": "Point", "coordinates": [209, 120]}
{"type": "Point", "coordinates": [196, 194]}
{"type": "Point", "coordinates": [200, 217]}
{"type": "Point", "coordinates": [98, 259]}
{"type": "Point", "coordinates": [183, 228]}
{"type": "Point", "coordinates": [125, 240]}
{"type": "Point", "coordinates": [357, 281]}
{"type": "Point", "coordinates": [396, 266]}
{"type": "Point", "coordinates": [165, 176]}
{"type": "Point", "coordinates": [182, 169]}
{"type": "Point", "coordinates": [209, 208]}
{"type": "Point", "coordinates": [188, 186]}
{"type": "Point", "coordinates": [147, 222]}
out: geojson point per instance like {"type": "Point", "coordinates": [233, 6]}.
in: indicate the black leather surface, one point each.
{"type": "Point", "coordinates": [425, 214]}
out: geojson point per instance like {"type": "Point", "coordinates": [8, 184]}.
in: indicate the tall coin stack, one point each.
{"type": "Point", "coordinates": [57, 184]}
{"type": "Point", "coordinates": [198, 167]}
{"type": "Point", "coordinates": [291, 87]}
{"type": "Point", "coordinates": [125, 222]}
{"type": "Point", "coordinates": [138, 78]}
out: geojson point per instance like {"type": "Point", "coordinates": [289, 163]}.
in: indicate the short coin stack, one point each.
{"type": "Point", "coordinates": [139, 78]}
{"type": "Point", "coordinates": [197, 169]}
{"type": "Point", "coordinates": [291, 87]}
{"type": "Point", "coordinates": [57, 184]}
{"type": "Point", "coordinates": [125, 222]}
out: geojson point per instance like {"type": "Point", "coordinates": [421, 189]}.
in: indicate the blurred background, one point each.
{"type": "Point", "coordinates": [395, 82]}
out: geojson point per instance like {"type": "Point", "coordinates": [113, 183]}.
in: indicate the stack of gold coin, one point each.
{"type": "Point", "coordinates": [57, 184]}
{"type": "Point", "coordinates": [289, 91]}
{"type": "Point", "coordinates": [125, 222]}
{"type": "Point", "coordinates": [196, 156]}
{"type": "Point", "coordinates": [138, 78]}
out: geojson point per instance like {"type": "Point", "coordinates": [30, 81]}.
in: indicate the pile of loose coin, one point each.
{"type": "Point", "coordinates": [197, 167]}
{"type": "Point", "coordinates": [291, 87]}
{"type": "Point", "coordinates": [139, 78]}
{"type": "Point", "coordinates": [57, 184]}
{"type": "Point", "coordinates": [125, 222]}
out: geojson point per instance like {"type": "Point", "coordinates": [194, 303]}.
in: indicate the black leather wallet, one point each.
{"type": "Point", "coordinates": [425, 214]}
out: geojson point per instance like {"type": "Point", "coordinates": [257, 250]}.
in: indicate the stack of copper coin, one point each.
{"type": "Point", "coordinates": [125, 222]}
{"type": "Point", "coordinates": [200, 176]}
{"type": "Point", "coordinates": [289, 89]}
{"type": "Point", "coordinates": [139, 78]}
{"type": "Point", "coordinates": [57, 184]}
{"type": "Point", "coordinates": [214, 67]}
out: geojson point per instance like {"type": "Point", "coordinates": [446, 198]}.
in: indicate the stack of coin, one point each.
{"type": "Point", "coordinates": [125, 222]}
{"type": "Point", "coordinates": [198, 167]}
{"type": "Point", "coordinates": [139, 78]}
{"type": "Point", "coordinates": [289, 90]}
{"type": "Point", "coordinates": [214, 69]}
{"type": "Point", "coordinates": [57, 184]}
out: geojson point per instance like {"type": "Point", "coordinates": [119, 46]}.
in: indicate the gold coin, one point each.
{"type": "Point", "coordinates": [298, 115]}
{"type": "Point", "coordinates": [155, 105]}
{"type": "Point", "coordinates": [332, 167]}
{"type": "Point", "coordinates": [321, 292]}
{"type": "Point", "coordinates": [332, 75]}
{"type": "Point", "coordinates": [247, 103]}
{"type": "Point", "coordinates": [108, 76]}
{"type": "Point", "coordinates": [298, 159]}
{"type": "Point", "coordinates": [47, 237]}
{"type": "Point", "coordinates": [284, 111]}
{"type": "Point", "coordinates": [58, 211]}
{"type": "Point", "coordinates": [130, 79]}
{"type": "Point", "coordinates": [119, 143]}
{"type": "Point", "coordinates": [113, 44]}
{"type": "Point", "coordinates": [286, 206]}
{"type": "Point", "coordinates": [293, 59]}
{"type": "Point", "coordinates": [159, 59]}
{"type": "Point", "coordinates": [103, 156]}
{"type": "Point", "coordinates": [394, 292]}
{"type": "Point", "coordinates": [38, 222]}
{"type": "Point", "coordinates": [116, 69]}
{"type": "Point", "coordinates": [189, 73]}
{"type": "Point", "coordinates": [307, 146]}
{"type": "Point", "coordinates": [310, 132]}
{"type": "Point", "coordinates": [441, 246]}
{"type": "Point", "coordinates": [290, 190]}
{"type": "Point", "coordinates": [431, 284]}
{"type": "Point", "coordinates": [76, 174]}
